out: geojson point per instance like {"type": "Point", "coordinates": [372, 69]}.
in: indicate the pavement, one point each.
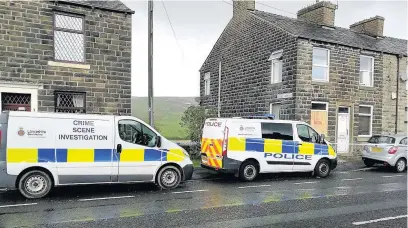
{"type": "Point", "coordinates": [352, 196]}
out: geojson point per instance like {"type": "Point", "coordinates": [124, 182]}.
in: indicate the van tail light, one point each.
{"type": "Point", "coordinates": [393, 150]}
{"type": "Point", "coordinates": [225, 142]}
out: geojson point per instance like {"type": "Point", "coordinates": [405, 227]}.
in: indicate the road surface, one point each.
{"type": "Point", "coordinates": [348, 198]}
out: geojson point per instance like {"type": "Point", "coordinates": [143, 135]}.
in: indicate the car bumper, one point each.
{"type": "Point", "coordinates": [389, 159]}
{"type": "Point", "coordinates": [188, 172]}
{"type": "Point", "coordinates": [333, 163]}
{"type": "Point", "coordinates": [6, 181]}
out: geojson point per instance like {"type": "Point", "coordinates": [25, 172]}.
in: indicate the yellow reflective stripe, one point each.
{"type": "Point", "coordinates": [273, 145]}
{"type": "Point", "coordinates": [175, 155]}
{"type": "Point", "coordinates": [22, 155]}
{"type": "Point", "coordinates": [236, 144]}
{"type": "Point", "coordinates": [132, 155]}
{"type": "Point", "coordinates": [331, 151]}
{"type": "Point", "coordinates": [80, 155]}
{"type": "Point", "coordinates": [306, 148]}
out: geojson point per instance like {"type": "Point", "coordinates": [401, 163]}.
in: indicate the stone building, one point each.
{"type": "Point", "coordinates": [65, 56]}
{"type": "Point", "coordinates": [347, 83]}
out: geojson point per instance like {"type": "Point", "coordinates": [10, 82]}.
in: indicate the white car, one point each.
{"type": "Point", "coordinates": [390, 150]}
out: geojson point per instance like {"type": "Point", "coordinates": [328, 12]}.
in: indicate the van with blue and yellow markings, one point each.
{"type": "Point", "coordinates": [41, 150]}
{"type": "Point", "coordinates": [253, 145]}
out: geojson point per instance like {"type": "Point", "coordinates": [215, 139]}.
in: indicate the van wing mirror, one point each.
{"type": "Point", "coordinates": [322, 137]}
{"type": "Point", "coordinates": [158, 141]}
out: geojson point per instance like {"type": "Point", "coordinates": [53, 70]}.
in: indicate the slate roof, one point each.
{"type": "Point", "coordinates": [115, 5]}
{"type": "Point", "coordinates": [337, 35]}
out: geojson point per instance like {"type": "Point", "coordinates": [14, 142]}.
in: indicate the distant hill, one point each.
{"type": "Point", "coordinates": [167, 114]}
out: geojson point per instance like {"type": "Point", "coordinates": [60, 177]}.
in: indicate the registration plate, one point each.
{"type": "Point", "coordinates": [376, 149]}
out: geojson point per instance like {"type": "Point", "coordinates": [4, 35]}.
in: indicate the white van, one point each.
{"type": "Point", "coordinates": [42, 150]}
{"type": "Point", "coordinates": [249, 146]}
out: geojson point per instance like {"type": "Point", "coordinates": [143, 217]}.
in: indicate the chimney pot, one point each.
{"type": "Point", "coordinates": [322, 13]}
{"type": "Point", "coordinates": [373, 26]}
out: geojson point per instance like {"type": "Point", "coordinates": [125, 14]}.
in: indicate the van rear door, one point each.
{"type": "Point", "coordinates": [211, 143]}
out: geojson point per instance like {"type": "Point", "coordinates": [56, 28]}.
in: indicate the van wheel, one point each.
{"type": "Point", "coordinates": [249, 171]}
{"type": "Point", "coordinates": [35, 184]}
{"type": "Point", "coordinates": [322, 168]}
{"type": "Point", "coordinates": [169, 177]}
{"type": "Point", "coordinates": [400, 165]}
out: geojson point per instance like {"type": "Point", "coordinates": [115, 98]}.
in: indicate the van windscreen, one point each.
{"type": "Point", "coordinates": [280, 131]}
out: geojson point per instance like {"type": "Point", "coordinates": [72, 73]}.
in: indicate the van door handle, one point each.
{"type": "Point", "coordinates": [119, 148]}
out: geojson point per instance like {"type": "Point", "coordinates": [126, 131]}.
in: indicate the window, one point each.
{"type": "Point", "coordinates": [71, 102]}
{"type": "Point", "coordinates": [207, 77]}
{"type": "Point", "coordinates": [279, 131]}
{"type": "Point", "coordinates": [275, 109]}
{"type": "Point", "coordinates": [15, 102]}
{"type": "Point", "coordinates": [404, 141]}
{"type": "Point", "coordinates": [366, 70]}
{"type": "Point", "coordinates": [320, 69]}
{"type": "Point", "coordinates": [69, 38]}
{"type": "Point", "coordinates": [365, 120]}
{"type": "Point", "coordinates": [307, 134]}
{"type": "Point", "coordinates": [378, 139]}
{"type": "Point", "coordinates": [276, 66]}
{"type": "Point", "coordinates": [134, 132]}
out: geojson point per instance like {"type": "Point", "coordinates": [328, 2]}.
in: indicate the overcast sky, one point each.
{"type": "Point", "coordinates": [198, 24]}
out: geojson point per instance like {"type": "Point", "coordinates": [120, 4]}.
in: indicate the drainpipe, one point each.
{"type": "Point", "coordinates": [396, 108]}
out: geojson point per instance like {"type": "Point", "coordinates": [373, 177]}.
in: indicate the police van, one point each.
{"type": "Point", "coordinates": [41, 150]}
{"type": "Point", "coordinates": [252, 145]}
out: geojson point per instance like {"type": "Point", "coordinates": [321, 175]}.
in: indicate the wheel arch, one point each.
{"type": "Point", "coordinates": [32, 168]}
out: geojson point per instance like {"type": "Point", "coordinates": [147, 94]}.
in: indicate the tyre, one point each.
{"type": "Point", "coordinates": [400, 165]}
{"type": "Point", "coordinates": [169, 177]}
{"type": "Point", "coordinates": [249, 171]}
{"type": "Point", "coordinates": [368, 163]}
{"type": "Point", "coordinates": [35, 184]}
{"type": "Point", "coordinates": [322, 168]}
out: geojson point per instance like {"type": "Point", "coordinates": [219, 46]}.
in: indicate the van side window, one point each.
{"type": "Point", "coordinates": [134, 132]}
{"type": "Point", "coordinates": [307, 134]}
{"type": "Point", "coordinates": [280, 131]}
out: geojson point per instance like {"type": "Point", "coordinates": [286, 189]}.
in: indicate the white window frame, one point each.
{"type": "Point", "coordinates": [276, 57]}
{"type": "Point", "coordinates": [372, 71]}
{"type": "Point", "coordinates": [271, 108]}
{"type": "Point", "coordinates": [207, 83]}
{"type": "Point", "coordinates": [317, 65]}
{"type": "Point", "coordinates": [371, 119]}
{"type": "Point", "coordinates": [25, 89]}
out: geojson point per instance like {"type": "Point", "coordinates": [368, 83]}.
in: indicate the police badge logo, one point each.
{"type": "Point", "coordinates": [21, 132]}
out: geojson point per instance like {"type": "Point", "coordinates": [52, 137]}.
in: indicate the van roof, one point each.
{"type": "Point", "coordinates": [259, 120]}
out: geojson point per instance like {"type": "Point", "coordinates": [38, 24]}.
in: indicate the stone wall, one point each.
{"type": "Point", "coordinates": [26, 49]}
{"type": "Point", "coordinates": [389, 104]}
{"type": "Point", "coordinates": [244, 49]}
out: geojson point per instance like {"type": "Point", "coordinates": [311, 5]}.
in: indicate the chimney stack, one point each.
{"type": "Point", "coordinates": [372, 26]}
{"type": "Point", "coordinates": [241, 6]}
{"type": "Point", "coordinates": [321, 13]}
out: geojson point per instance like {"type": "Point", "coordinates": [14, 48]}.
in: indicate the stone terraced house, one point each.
{"type": "Point", "coordinates": [65, 56]}
{"type": "Point", "coordinates": [347, 83]}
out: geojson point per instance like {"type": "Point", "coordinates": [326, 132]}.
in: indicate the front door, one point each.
{"type": "Point", "coordinates": [138, 156]}
{"type": "Point", "coordinates": [343, 130]}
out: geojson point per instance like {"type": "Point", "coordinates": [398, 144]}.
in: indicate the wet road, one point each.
{"type": "Point", "coordinates": [359, 198]}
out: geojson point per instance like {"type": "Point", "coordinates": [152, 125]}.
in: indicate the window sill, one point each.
{"type": "Point", "coordinates": [366, 87]}
{"type": "Point", "coordinates": [363, 138]}
{"type": "Point", "coordinates": [69, 65]}
{"type": "Point", "coordinates": [320, 81]}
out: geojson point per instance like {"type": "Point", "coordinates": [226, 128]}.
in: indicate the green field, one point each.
{"type": "Point", "coordinates": [167, 114]}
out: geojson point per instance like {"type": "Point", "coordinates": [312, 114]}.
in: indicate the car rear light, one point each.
{"type": "Point", "coordinates": [393, 150]}
{"type": "Point", "coordinates": [225, 142]}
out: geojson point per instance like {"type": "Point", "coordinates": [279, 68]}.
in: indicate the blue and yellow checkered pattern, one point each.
{"type": "Point", "coordinates": [34, 155]}
{"type": "Point", "coordinates": [278, 146]}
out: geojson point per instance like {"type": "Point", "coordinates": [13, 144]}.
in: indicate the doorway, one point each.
{"type": "Point", "coordinates": [343, 129]}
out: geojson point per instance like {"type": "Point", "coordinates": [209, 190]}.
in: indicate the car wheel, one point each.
{"type": "Point", "coordinates": [368, 163]}
{"type": "Point", "coordinates": [169, 177]}
{"type": "Point", "coordinates": [249, 171]}
{"type": "Point", "coordinates": [400, 165]}
{"type": "Point", "coordinates": [35, 184]}
{"type": "Point", "coordinates": [322, 168]}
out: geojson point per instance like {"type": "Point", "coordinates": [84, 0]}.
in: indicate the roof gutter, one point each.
{"type": "Point", "coordinates": [78, 3]}
{"type": "Point", "coordinates": [396, 103]}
